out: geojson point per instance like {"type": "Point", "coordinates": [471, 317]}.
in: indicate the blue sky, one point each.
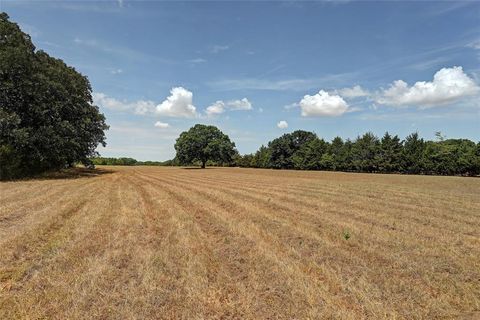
{"type": "Point", "coordinates": [260, 69]}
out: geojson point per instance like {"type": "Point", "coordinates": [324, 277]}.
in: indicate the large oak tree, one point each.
{"type": "Point", "coordinates": [203, 143]}
{"type": "Point", "coordinates": [47, 119]}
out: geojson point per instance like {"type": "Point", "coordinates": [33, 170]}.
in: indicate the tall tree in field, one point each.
{"type": "Point", "coordinates": [47, 120]}
{"type": "Point", "coordinates": [203, 143]}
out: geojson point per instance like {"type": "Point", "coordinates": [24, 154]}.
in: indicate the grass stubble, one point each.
{"type": "Point", "coordinates": [222, 243]}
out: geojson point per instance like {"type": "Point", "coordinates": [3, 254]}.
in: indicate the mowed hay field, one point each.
{"type": "Point", "coordinates": [175, 243]}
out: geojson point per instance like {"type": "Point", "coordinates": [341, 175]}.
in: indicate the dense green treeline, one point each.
{"type": "Point", "coordinates": [127, 162]}
{"type": "Point", "coordinates": [303, 150]}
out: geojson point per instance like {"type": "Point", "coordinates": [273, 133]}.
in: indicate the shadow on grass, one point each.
{"type": "Point", "coordinates": [70, 173]}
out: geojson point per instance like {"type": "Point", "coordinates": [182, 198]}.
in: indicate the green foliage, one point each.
{"type": "Point", "coordinates": [389, 158]}
{"type": "Point", "coordinates": [413, 154]}
{"type": "Point", "coordinates": [346, 235]}
{"type": "Point", "coordinates": [261, 159]}
{"type": "Point", "coordinates": [47, 120]}
{"type": "Point", "coordinates": [305, 151]}
{"type": "Point", "coordinates": [114, 161]}
{"type": "Point", "coordinates": [244, 161]}
{"type": "Point", "coordinates": [283, 149]}
{"type": "Point", "coordinates": [102, 161]}
{"type": "Point", "coordinates": [365, 153]}
{"type": "Point", "coordinates": [310, 155]}
{"type": "Point", "coordinates": [202, 143]}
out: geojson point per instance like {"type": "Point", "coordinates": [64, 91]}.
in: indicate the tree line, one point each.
{"type": "Point", "coordinates": [304, 150]}
{"type": "Point", "coordinates": [47, 119]}
{"type": "Point", "coordinates": [124, 161]}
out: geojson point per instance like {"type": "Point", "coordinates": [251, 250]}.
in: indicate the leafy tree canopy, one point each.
{"type": "Point", "coordinates": [202, 143]}
{"type": "Point", "coordinates": [283, 149]}
{"type": "Point", "coordinates": [47, 119]}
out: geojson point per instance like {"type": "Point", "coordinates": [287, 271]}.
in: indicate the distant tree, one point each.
{"type": "Point", "coordinates": [467, 161]}
{"type": "Point", "coordinates": [202, 143]}
{"type": "Point", "coordinates": [440, 137]}
{"type": "Point", "coordinates": [414, 154]}
{"type": "Point", "coordinates": [365, 152]}
{"type": "Point", "coordinates": [451, 156]}
{"type": "Point", "coordinates": [309, 156]}
{"type": "Point", "coordinates": [341, 153]}
{"type": "Point", "coordinates": [390, 154]}
{"type": "Point", "coordinates": [282, 149]}
{"type": "Point", "coordinates": [47, 120]}
{"type": "Point", "coordinates": [476, 161]}
{"type": "Point", "coordinates": [115, 161]}
{"type": "Point", "coordinates": [244, 161]}
{"type": "Point", "coordinates": [327, 162]}
{"type": "Point", "coordinates": [261, 158]}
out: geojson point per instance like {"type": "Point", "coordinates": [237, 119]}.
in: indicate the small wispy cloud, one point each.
{"type": "Point", "coordinates": [220, 106]}
{"type": "Point", "coordinates": [140, 107]}
{"type": "Point", "coordinates": [197, 60]}
{"type": "Point", "coordinates": [116, 71]}
{"type": "Point", "coordinates": [430, 63]}
{"type": "Point", "coordinates": [120, 51]}
{"type": "Point", "coordinates": [219, 48]}
{"type": "Point", "coordinates": [85, 6]}
{"type": "Point", "coordinates": [162, 125]}
{"type": "Point", "coordinates": [353, 92]}
{"type": "Point", "coordinates": [474, 44]}
{"type": "Point", "coordinates": [445, 7]}
{"type": "Point", "coordinates": [293, 84]}
{"type": "Point", "coordinates": [49, 44]}
{"type": "Point", "coordinates": [291, 106]}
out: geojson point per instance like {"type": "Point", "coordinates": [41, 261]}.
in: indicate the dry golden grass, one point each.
{"type": "Point", "coordinates": [152, 242]}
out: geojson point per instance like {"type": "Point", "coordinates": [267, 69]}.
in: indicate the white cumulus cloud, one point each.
{"type": "Point", "coordinates": [141, 107]}
{"type": "Point", "coordinates": [178, 104]}
{"type": "Point", "coordinates": [221, 106]}
{"type": "Point", "coordinates": [323, 104]}
{"type": "Point", "coordinates": [448, 85]}
{"type": "Point", "coordinates": [242, 104]}
{"type": "Point", "coordinates": [353, 92]}
{"type": "Point", "coordinates": [282, 124]}
{"type": "Point", "coordinates": [217, 108]}
{"type": "Point", "coordinates": [161, 125]}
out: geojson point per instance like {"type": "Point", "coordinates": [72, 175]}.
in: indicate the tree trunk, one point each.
{"type": "Point", "coordinates": [203, 164]}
